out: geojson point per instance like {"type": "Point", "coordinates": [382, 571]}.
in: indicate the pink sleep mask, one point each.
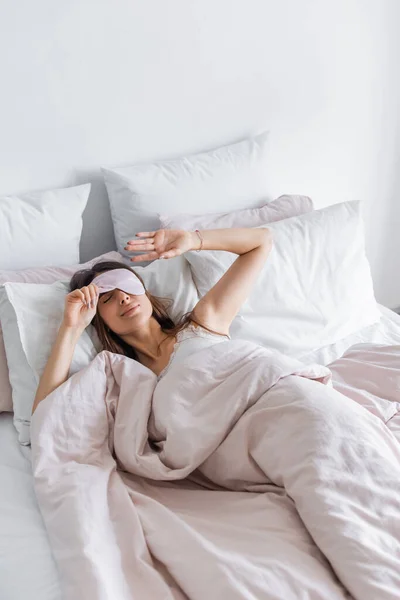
{"type": "Point", "coordinates": [120, 279]}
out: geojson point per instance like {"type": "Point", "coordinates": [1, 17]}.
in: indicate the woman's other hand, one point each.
{"type": "Point", "coordinates": [163, 243]}
{"type": "Point", "coordinates": [80, 307]}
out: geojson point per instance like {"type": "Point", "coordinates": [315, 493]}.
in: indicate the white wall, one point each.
{"type": "Point", "coordinates": [107, 82]}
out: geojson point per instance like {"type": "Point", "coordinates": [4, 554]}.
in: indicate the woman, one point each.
{"type": "Point", "coordinates": [131, 321]}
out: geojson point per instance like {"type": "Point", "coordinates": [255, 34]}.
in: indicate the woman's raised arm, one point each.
{"type": "Point", "coordinates": [219, 306]}
{"type": "Point", "coordinates": [80, 308]}
{"type": "Point", "coordinates": [217, 309]}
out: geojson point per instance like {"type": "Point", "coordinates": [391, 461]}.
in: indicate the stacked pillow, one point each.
{"type": "Point", "coordinates": [281, 208]}
{"type": "Point", "coordinates": [316, 286]}
{"type": "Point", "coordinates": [39, 245]}
{"type": "Point", "coordinates": [224, 179]}
{"type": "Point", "coordinates": [38, 230]}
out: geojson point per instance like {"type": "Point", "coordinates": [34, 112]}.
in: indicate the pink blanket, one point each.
{"type": "Point", "coordinates": [236, 476]}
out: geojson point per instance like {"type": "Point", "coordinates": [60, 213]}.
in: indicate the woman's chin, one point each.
{"type": "Point", "coordinates": [131, 324]}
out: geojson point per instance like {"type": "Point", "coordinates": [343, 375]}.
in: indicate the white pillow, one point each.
{"type": "Point", "coordinates": [42, 228]}
{"type": "Point", "coordinates": [31, 315]}
{"type": "Point", "coordinates": [282, 208]}
{"type": "Point", "coordinates": [224, 179]}
{"type": "Point", "coordinates": [314, 289]}
{"type": "Point", "coordinates": [35, 275]}
{"type": "Point", "coordinates": [171, 279]}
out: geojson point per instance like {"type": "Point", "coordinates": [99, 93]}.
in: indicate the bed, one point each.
{"type": "Point", "coordinates": [27, 567]}
{"type": "Point", "coordinates": [96, 518]}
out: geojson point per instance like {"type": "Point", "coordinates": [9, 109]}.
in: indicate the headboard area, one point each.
{"type": "Point", "coordinates": [105, 83]}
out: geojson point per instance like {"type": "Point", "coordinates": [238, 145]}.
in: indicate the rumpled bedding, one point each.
{"type": "Point", "coordinates": [241, 474]}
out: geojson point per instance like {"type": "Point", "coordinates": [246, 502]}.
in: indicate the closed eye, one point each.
{"type": "Point", "coordinates": [108, 298]}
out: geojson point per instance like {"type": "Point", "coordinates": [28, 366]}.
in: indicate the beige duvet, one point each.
{"type": "Point", "coordinates": [259, 483]}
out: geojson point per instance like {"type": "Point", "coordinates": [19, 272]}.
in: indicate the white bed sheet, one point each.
{"type": "Point", "coordinates": [386, 331]}
{"type": "Point", "coordinates": [27, 567]}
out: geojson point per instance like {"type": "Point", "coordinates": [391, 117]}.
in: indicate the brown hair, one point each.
{"type": "Point", "coordinates": [109, 339]}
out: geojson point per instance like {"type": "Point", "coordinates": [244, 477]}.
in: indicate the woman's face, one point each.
{"type": "Point", "coordinates": [124, 313]}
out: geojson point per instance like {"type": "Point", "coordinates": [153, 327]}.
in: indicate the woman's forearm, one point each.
{"type": "Point", "coordinates": [237, 240]}
{"type": "Point", "coordinates": [58, 364]}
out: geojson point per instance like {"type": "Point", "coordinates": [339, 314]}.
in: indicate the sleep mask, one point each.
{"type": "Point", "coordinates": [120, 279]}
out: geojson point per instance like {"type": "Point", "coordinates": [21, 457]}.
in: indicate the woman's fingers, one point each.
{"type": "Point", "coordinates": [148, 256]}
{"type": "Point", "coordinates": [154, 255]}
{"type": "Point", "coordinates": [140, 242]}
{"type": "Point", "coordinates": [143, 234]}
{"type": "Point", "coordinates": [140, 247]}
{"type": "Point", "coordinates": [146, 244]}
{"type": "Point", "coordinates": [93, 295]}
{"type": "Point", "coordinates": [89, 295]}
{"type": "Point", "coordinates": [146, 233]}
{"type": "Point", "coordinates": [86, 292]}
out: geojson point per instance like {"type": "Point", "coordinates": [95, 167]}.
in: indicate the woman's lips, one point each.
{"type": "Point", "coordinates": [129, 312]}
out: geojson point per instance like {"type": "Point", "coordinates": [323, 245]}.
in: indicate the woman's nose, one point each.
{"type": "Point", "coordinates": [123, 296]}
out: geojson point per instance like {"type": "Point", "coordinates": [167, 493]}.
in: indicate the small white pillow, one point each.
{"type": "Point", "coordinates": [42, 228]}
{"type": "Point", "coordinates": [282, 208]}
{"type": "Point", "coordinates": [314, 289]}
{"type": "Point", "coordinates": [228, 178]}
{"type": "Point", "coordinates": [31, 315]}
{"type": "Point", "coordinates": [35, 275]}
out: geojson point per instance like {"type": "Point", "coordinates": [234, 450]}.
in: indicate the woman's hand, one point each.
{"type": "Point", "coordinates": [80, 307]}
{"type": "Point", "coordinates": [163, 243]}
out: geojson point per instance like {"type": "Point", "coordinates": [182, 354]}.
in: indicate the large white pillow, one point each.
{"type": "Point", "coordinates": [314, 289]}
{"type": "Point", "coordinates": [282, 208]}
{"type": "Point", "coordinates": [34, 275]}
{"type": "Point", "coordinates": [228, 178]}
{"type": "Point", "coordinates": [42, 228]}
{"type": "Point", "coordinates": [31, 315]}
